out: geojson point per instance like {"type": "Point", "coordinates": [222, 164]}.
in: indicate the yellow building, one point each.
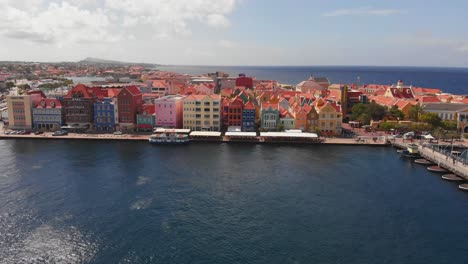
{"type": "Point", "coordinates": [20, 110]}
{"type": "Point", "coordinates": [202, 112]}
{"type": "Point", "coordinates": [329, 116]}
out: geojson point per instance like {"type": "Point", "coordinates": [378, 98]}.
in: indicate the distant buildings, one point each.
{"type": "Point", "coordinates": [313, 84]}
{"type": "Point", "coordinates": [269, 116]}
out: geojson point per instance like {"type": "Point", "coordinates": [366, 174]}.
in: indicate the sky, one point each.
{"type": "Point", "coordinates": [238, 32]}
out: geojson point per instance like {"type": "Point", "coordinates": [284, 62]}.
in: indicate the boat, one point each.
{"type": "Point", "coordinates": [411, 151]}
{"type": "Point", "coordinates": [169, 138]}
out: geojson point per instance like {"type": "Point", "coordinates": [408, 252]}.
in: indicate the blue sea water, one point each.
{"type": "Point", "coordinates": [450, 80]}
{"type": "Point", "coordinates": [132, 202]}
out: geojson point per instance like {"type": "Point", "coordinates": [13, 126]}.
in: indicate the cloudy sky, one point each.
{"type": "Point", "coordinates": [238, 32]}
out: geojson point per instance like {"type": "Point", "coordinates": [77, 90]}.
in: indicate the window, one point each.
{"type": "Point", "coordinates": [323, 115]}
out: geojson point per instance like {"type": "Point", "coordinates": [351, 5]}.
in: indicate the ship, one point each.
{"type": "Point", "coordinates": [411, 151]}
{"type": "Point", "coordinates": [169, 138]}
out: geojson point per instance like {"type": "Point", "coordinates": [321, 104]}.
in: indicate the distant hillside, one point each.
{"type": "Point", "coordinates": [91, 60]}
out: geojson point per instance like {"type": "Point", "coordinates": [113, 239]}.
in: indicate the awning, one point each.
{"type": "Point", "coordinates": [428, 137]}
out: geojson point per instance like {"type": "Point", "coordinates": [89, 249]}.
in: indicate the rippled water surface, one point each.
{"type": "Point", "coordinates": [128, 202]}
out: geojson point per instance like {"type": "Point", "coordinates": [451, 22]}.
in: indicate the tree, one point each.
{"type": "Point", "coordinates": [376, 111]}
{"type": "Point", "coordinates": [280, 127]}
{"type": "Point", "coordinates": [432, 119]}
{"type": "Point", "coordinates": [316, 130]}
{"type": "Point", "coordinates": [449, 125]}
{"type": "Point", "coordinates": [387, 126]}
{"type": "Point", "coordinates": [9, 85]}
{"type": "Point", "coordinates": [414, 112]}
{"type": "Point", "coordinates": [396, 113]}
{"type": "Point", "coordinates": [358, 110]}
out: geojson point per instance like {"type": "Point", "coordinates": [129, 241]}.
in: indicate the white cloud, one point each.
{"type": "Point", "coordinates": [63, 22]}
{"type": "Point", "coordinates": [363, 11]}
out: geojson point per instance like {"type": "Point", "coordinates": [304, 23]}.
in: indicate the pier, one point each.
{"type": "Point", "coordinates": [459, 167]}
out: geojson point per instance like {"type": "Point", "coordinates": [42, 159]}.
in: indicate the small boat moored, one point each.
{"type": "Point", "coordinates": [451, 177]}
{"type": "Point", "coordinates": [463, 187]}
{"type": "Point", "coordinates": [436, 169]}
{"type": "Point", "coordinates": [423, 161]}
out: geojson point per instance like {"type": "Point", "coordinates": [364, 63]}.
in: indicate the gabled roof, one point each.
{"type": "Point", "coordinates": [428, 99]}
{"type": "Point", "coordinates": [269, 105]}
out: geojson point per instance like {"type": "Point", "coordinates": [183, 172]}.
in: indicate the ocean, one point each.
{"type": "Point", "coordinates": [132, 202]}
{"type": "Point", "coordinates": [449, 80]}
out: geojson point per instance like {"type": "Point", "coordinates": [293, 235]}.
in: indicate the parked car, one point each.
{"type": "Point", "coordinates": [118, 133]}
{"type": "Point", "coordinates": [22, 132]}
{"type": "Point", "coordinates": [38, 132]}
{"type": "Point", "coordinates": [26, 132]}
{"type": "Point", "coordinates": [60, 133]}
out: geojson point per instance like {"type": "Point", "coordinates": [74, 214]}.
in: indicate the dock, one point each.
{"type": "Point", "coordinates": [458, 167]}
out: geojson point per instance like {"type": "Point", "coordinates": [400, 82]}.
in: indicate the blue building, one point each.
{"type": "Point", "coordinates": [104, 115]}
{"type": "Point", "coordinates": [248, 117]}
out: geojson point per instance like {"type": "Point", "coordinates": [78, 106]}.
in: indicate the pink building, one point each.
{"type": "Point", "coordinates": [168, 110]}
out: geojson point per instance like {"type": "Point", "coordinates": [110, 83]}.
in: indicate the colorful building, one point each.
{"type": "Point", "coordinates": [146, 121]}
{"type": "Point", "coordinates": [248, 117]}
{"type": "Point", "coordinates": [129, 101]}
{"type": "Point", "coordinates": [79, 106]}
{"type": "Point", "coordinates": [104, 115]}
{"type": "Point", "coordinates": [330, 117]}
{"type": "Point", "coordinates": [169, 111]}
{"type": "Point", "coordinates": [446, 111]}
{"type": "Point", "coordinates": [48, 115]}
{"type": "Point", "coordinates": [269, 116]}
{"type": "Point", "coordinates": [287, 120]}
{"type": "Point", "coordinates": [234, 114]}
{"type": "Point", "coordinates": [20, 110]}
{"type": "Point", "coordinates": [202, 112]}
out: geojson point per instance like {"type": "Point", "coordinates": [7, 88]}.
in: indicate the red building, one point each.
{"type": "Point", "coordinates": [234, 113]}
{"type": "Point", "coordinates": [247, 82]}
{"type": "Point", "coordinates": [129, 104]}
{"type": "Point", "coordinates": [79, 106]}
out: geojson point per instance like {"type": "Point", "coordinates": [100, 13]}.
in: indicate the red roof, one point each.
{"type": "Point", "coordinates": [268, 105]}
{"type": "Point", "coordinates": [428, 99]}
{"type": "Point", "coordinates": [404, 92]}
{"type": "Point", "coordinates": [149, 109]}
{"type": "Point", "coordinates": [37, 92]}
{"type": "Point", "coordinates": [249, 106]}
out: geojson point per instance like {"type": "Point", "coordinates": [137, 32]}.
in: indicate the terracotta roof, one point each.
{"type": "Point", "coordinates": [404, 92]}
{"type": "Point", "coordinates": [149, 108]}
{"type": "Point", "coordinates": [249, 106]}
{"type": "Point", "coordinates": [267, 105]}
{"type": "Point", "coordinates": [428, 99]}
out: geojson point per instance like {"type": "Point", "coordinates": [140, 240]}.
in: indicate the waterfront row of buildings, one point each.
{"type": "Point", "coordinates": [86, 108]}
{"type": "Point", "coordinates": [217, 102]}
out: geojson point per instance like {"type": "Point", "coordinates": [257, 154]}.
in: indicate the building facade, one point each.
{"type": "Point", "coordinates": [330, 117]}
{"type": "Point", "coordinates": [48, 115]}
{"type": "Point", "coordinates": [248, 117]}
{"type": "Point", "coordinates": [269, 116]}
{"type": "Point", "coordinates": [20, 110]}
{"type": "Point", "coordinates": [146, 121]}
{"type": "Point", "coordinates": [234, 114]}
{"type": "Point", "coordinates": [104, 115]}
{"type": "Point", "coordinates": [79, 106]}
{"type": "Point", "coordinates": [129, 101]}
{"type": "Point", "coordinates": [202, 112]}
{"type": "Point", "coordinates": [169, 111]}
